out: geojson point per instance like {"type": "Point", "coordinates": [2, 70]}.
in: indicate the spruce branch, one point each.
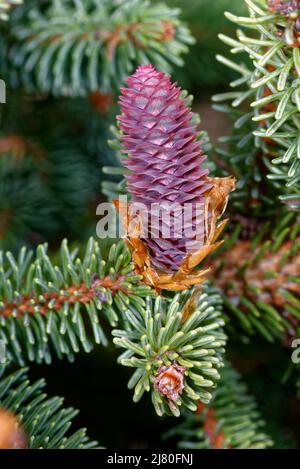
{"type": "Point", "coordinates": [260, 278]}
{"type": "Point", "coordinates": [45, 422]}
{"type": "Point", "coordinates": [231, 420]}
{"type": "Point", "coordinates": [238, 154]}
{"type": "Point", "coordinates": [176, 347]}
{"type": "Point", "coordinates": [76, 47]}
{"type": "Point", "coordinates": [47, 308]}
{"type": "Point", "coordinates": [269, 89]}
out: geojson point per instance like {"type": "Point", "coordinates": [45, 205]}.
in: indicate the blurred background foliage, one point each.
{"type": "Point", "coordinates": [202, 73]}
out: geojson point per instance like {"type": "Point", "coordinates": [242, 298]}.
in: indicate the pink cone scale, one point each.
{"type": "Point", "coordinates": [164, 159]}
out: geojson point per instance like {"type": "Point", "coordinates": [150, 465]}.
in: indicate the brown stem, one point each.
{"type": "Point", "coordinates": [75, 294]}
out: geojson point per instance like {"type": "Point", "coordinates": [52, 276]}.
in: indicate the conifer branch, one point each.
{"type": "Point", "coordinates": [239, 155]}
{"type": "Point", "coordinates": [75, 47]}
{"type": "Point", "coordinates": [231, 420]}
{"type": "Point", "coordinates": [176, 348]}
{"type": "Point", "coordinates": [269, 88]}
{"type": "Point", "coordinates": [260, 279]}
{"type": "Point", "coordinates": [45, 422]}
{"type": "Point", "coordinates": [47, 307]}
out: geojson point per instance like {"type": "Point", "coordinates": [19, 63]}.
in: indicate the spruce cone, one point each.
{"type": "Point", "coordinates": [165, 161]}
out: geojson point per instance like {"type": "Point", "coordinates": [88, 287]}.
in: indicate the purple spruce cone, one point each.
{"type": "Point", "coordinates": [165, 160]}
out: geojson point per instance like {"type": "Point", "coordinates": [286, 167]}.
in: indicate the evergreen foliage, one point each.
{"type": "Point", "coordinates": [259, 278]}
{"type": "Point", "coordinates": [231, 421]}
{"type": "Point", "coordinates": [54, 172]}
{"type": "Point", "coordinates": [48, 307]}
{"type": "Point", "coordinates": [205, 20]}
{"type": "Point", "coordinates": [268, 91]}
{"type": "Point", "coordinates": [183, 331]}
{"type": "Point", "coordinates": [72, 47]}
{"type": "Point", "coordinates": [45, 421]}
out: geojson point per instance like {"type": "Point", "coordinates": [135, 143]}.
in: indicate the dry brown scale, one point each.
{"type": "Point", "coordinates": [12, 436]}
{"type": "Point", "coordinates": [210, 426]}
